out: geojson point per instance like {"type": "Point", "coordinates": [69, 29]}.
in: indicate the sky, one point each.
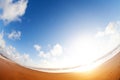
{"type": "Point", "coordinates": [58, 33]}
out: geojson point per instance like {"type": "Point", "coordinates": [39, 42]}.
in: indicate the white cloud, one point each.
{"type": "Point", "coordinates": [57, 50]}
{"type": "Point", "coordinates": [50, 56]}
{"type": "Point", "coordinates": [14, 35]}
{"type": "Point", "coordinates": [109, 30]}
{"type": "Point", "coordinates": [11, 53]}
{"type": "Point", "coordinates": [12, 11]}
{"type": "Point", "coordinates": [37, 47]}
{"type": "Point", "coordinates": [14, 55]}
{"type": "Point", "coordinates": [2, 42]}
{"type": "Point", "coordinates": [111, 34]}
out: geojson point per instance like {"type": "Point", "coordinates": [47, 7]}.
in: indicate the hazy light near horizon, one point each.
{"type": "Point", "coordinates": [86, 52]}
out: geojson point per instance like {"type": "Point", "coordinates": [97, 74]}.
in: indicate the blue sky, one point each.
{"type": "Point", "coordinates": [46, 23]}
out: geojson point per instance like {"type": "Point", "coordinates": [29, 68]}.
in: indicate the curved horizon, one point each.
{"type": "Point", "coordinates": [76, 68]}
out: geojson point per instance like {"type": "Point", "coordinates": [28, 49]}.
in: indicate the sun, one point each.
{"type": "Point", "coordinates": [83, 49]}
{"type": "Point", "coordinates": [83, 52]}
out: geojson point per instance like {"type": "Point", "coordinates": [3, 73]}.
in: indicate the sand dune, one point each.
{"type": "Point", "coordinates": [110, 70]}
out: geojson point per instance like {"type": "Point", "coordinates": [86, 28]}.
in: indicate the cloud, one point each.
{"type": "Point", "coordinates": [50, 56]}
{"type": "Point", "coordinates": [111, 34]}
{"type": "Point", "coordinates": [12, 11]}
{"type": "Point", "coordinates": [110, 29]}
{"type": "Point", "coordinates": [57, 50]}
{"type": "Point", "coordinates": [14, 35]}
{"type": "Point", "coordinates": [54, 52]}
{"type": "Point", "coordinates": [37, 47]}
{"type": "Point", "coordinates": [2, 42]}
{"type": "Point", "coordinates": [11, 53]}
{"type": "Point", "coordinates": [14, 55]}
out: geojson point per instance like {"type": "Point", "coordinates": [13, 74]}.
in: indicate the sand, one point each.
{"type": "Point", "coordinates": [110, 70]}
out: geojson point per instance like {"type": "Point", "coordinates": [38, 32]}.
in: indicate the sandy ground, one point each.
{"type": "Point", "coordinates": [110, 70]}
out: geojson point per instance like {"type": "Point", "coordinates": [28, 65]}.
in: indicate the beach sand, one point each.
{"type": "Point", "coordinates": [109, 70]}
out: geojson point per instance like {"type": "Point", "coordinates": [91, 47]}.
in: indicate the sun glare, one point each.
{"type": "Point", "coordinates": [83, 52]}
